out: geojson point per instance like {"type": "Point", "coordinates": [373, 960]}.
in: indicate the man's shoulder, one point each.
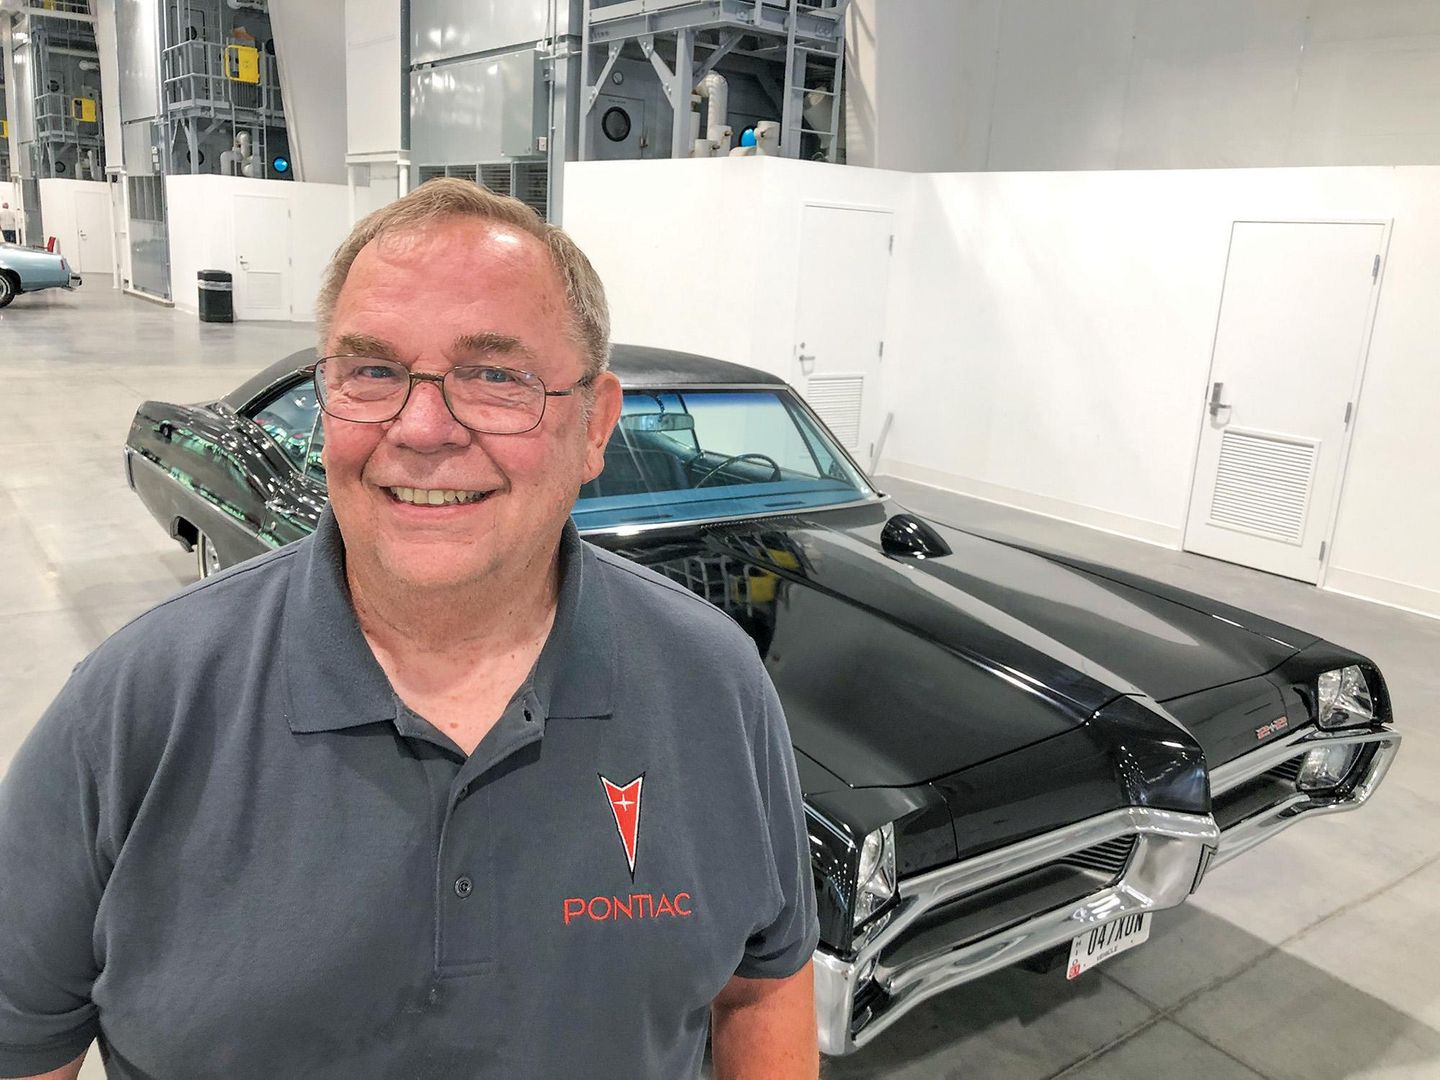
{"type": "Point", "coordinates": [203, 621]}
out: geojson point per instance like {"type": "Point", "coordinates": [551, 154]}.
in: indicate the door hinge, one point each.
{"type": "Point", "coordinates": [1322, 550]}
{"type": "Point", "coordinates": [892, 243]}
{"type": "Point", "coordinates": [1349, 412]}
{"type": "Point", "coordinates": [1375, 269]}
{"type": "Point", "coordinates": [882, 350]}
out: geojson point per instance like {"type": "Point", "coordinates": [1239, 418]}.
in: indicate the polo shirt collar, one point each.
{"type": "Point", "coordinates": [335, 682]}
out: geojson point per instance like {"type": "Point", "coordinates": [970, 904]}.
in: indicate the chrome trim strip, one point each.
{"type": "Point", "coordinates": [1170, 850]}
{"type": "Point", "coordinates": [1261, 826]}
{"type": "Point", "coordinates": [626, 531]}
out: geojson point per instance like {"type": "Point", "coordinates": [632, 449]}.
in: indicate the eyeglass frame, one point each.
{"type": "Point", "coordinates": [313, 371]}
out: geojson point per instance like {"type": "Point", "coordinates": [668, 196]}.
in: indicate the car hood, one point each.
{"type": "Point", "coordinates": [894, 672]}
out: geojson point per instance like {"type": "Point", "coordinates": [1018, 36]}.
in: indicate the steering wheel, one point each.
{"type": "Point", "coordinates": [778, 475]}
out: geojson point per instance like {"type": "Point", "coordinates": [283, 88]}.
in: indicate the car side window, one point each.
{"type": "Point", "coordinates": [291, 418]}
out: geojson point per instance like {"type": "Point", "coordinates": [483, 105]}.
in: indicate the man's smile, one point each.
{"type": "Point", "coordinates": [435, 496]}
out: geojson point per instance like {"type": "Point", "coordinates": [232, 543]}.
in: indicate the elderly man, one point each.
{"type": "Point", "coordinates": [441, 791]}
{"type": "Point", "coordinates": [9, 223]}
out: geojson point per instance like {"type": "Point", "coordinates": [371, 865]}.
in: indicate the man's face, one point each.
{"type": "Point", "coordinates": [460, 291]}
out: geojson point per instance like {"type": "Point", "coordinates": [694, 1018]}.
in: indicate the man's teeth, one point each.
{"type": "Point", "coordinates": [435, 496]}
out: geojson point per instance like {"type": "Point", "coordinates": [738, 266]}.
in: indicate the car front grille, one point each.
{"type": "Point", "coordinates": [966, 919]}
{"type": "Point", "coordinates": [1287, 771]}
{"type": "Point", "coordinates": [1109, 858]}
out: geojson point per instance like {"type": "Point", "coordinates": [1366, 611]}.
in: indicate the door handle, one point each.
{"type": "Point", "coordinates": [807, 361]}
{"type": "Point", "coordinates": [1215, 403]}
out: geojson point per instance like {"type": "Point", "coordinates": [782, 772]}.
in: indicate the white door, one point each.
{"type": "Point", "coordinates": [92, 228]}
{"type": "Point", "coordinates": [1290, 345]}
{"type": "Point", "coordinates": [262, 257]}
{"type": "Point", "coordinates": [844, 274]}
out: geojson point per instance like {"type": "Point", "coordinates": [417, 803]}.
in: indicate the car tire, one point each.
{"type": "Point", "coordinates": [207, 558]}
{"type": "Point", "coordinates": [8, 289]}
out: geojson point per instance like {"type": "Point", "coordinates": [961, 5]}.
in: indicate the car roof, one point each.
{"type": "Point", "coordinates": [638, 367]}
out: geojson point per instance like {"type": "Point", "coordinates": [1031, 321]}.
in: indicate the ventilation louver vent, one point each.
{"type": "Point", "coordinates": [496, 178]}
{"type": "Point", "coordinates": [837, 399]}
{"type": "Point", "coordinates": [1263, 485]}
{"type": "Point", "coordinates": [532, 184]}
{"type": "Point", "coordinates": [264, 289]}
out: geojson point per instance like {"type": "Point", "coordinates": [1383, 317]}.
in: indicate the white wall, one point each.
{"type": "Point", "coordinates": [202, 232]}
{"type": "Point", "coordinates": [1048, 334]}
{"type": "Point", "coordinates": [57, 209]}
{"type": "Point", "coordinates": [702, 254]}
{"type": "Point", "coordinates": [310, 46]}
{"type": "Point", "coordinates": [1060, 327]}
{"type": "Point", "coordinates": [971, 85]}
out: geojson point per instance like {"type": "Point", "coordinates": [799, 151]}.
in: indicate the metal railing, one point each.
{"type": "Point", "coordinates": [196, 82]}
{"type": "Point", "coordinates": [54, 122]}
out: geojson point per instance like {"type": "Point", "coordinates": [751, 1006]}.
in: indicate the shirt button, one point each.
{"type": "Point", "coordinates": [464, 887]}
{"type": "Point", "coordinates": [528, 717]}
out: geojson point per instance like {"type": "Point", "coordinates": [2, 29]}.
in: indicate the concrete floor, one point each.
{"type": "Point", "coordinates": [1312, 957]}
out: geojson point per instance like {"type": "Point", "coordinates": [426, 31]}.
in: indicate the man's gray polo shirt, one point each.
{"type": "Point", "coordinates": [229, 850]}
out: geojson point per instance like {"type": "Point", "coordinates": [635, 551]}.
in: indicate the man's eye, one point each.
{"type": "Point", "coordinates": [376, 371]}
{"type": "Point", "coordinates": [495, 376]}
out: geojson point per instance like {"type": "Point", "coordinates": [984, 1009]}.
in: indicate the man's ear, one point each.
{"type": "Point", "coordinates": [604, 415]}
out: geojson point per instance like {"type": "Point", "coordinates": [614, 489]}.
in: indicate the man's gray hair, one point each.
{"type": "Point", "coordinates": [446, 198]}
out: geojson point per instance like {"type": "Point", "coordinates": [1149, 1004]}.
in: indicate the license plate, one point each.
{"type": "Point", "coordinates": [1106, 941]}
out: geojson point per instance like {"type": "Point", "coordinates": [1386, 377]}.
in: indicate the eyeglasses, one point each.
{"type": "Point", "coordinates": [487, 400]}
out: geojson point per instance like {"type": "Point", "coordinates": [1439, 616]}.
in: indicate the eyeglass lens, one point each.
{"type": "Point", "coordinates": [487, 399]}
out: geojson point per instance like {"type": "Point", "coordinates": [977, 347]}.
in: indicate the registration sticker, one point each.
{"type": "Point", "coordinates": [1106, 941]}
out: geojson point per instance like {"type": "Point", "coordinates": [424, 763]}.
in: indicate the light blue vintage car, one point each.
{"type": "Point", "coordinates": [29, 269]}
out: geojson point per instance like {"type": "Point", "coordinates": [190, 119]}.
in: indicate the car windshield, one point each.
{"type": "Point", "coordinates": [695, 455]}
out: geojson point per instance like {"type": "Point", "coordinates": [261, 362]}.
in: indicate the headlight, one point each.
{"type": "Point", "coordinates": [875, 884]}
{"type": "Point", "coordinates": [1342, 698]}
{"type": "Point", "coordinates": [1323, 769]}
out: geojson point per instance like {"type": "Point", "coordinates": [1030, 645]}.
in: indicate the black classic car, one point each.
{"type": "Point", "coordinates": [1006, 754]}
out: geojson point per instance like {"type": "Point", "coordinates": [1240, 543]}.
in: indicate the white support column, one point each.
{"type": "Point", "coordinates": [107, 44]}
{"type": "Point", "coordinates": [12, 89]}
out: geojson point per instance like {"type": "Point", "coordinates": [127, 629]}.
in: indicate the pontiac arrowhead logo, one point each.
{"type": "Point", "coordinates": [625, 805]}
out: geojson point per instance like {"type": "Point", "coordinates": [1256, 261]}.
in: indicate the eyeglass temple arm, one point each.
{"type": "Point", "coordinates": [579, 383]}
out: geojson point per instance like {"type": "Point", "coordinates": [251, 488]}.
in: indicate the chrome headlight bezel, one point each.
{"type": "Point", "coordinates": [1344, 698]}
{"type": "Point", "coordinates": [876, 880]}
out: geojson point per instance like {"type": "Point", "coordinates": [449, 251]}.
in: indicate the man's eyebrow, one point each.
{"type": "Point", "coordinates": [490, 343]}
{"type": "Point", "coordinates": [365, 345]}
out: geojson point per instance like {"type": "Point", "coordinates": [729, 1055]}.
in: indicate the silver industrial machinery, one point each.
{"type": "Point", "coordinates": [786, 56]}
{"type": "Point", "coordinates": [221, 110]}
{"type": "Point", "coordinates": [57, 69]}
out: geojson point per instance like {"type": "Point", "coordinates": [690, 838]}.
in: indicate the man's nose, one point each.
{"type": "Point", "coordinates": [426, 422]}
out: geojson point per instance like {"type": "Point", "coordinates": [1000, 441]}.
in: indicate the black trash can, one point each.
{"type": "Point", "coordinates": [217, 298]}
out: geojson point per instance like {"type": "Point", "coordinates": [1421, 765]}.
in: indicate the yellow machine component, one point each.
{"type": "Point", "coordinates": [4, 129]}
{"type": "Point", "coordinates": [82, 109]}
{"type": "Point", "coordinates": [242, 63]}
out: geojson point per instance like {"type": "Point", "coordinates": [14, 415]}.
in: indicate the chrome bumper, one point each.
{"type": "Point", "coordinates": [1171, 853]}
{"type": "Point", "coordinates": [74, 281]}
{"type": "Point", "coordinates": [1262, 825]}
